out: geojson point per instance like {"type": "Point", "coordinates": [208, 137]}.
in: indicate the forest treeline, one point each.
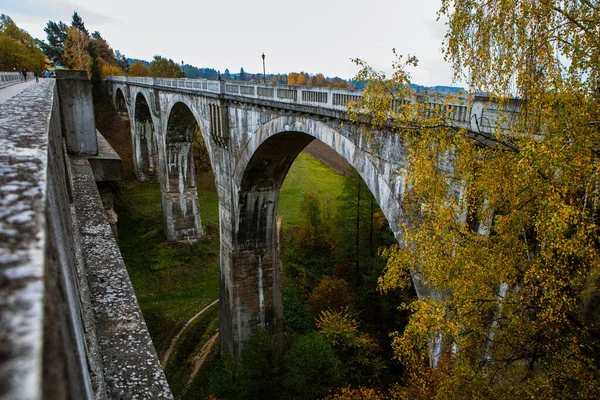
{"type": "Point", "coordinates": [18, 50]}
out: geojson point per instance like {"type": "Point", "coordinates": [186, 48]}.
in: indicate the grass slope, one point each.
{"type": "Point", "coordinates": [307, 175]}
{"type": "Point", "coordinates": [172, 281]}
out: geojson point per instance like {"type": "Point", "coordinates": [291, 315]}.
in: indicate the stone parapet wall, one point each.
{"type": "Point", "coordinates": [70, 325]}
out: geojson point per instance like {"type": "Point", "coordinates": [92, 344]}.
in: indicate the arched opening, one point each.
{"type": "Point", "coordinates": [145, 143]}
{"type": "Point", "coordinates": [255, 291]}
{"type": "Point", "coordinates": [330, 237]}
{"type": "Point", "coordinates": [251, 288]}
{"type": "Point", "coordinates": [120, 103]}
{"type": "Point", "coordinates": [178, 181]}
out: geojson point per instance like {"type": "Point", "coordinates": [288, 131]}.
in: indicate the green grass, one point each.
{"type": "Point", "coordinates": [172, 281]}
{"type": "Point", "coordinates": [307, 175]}
{"type": "Point", "coordinates": [181, 362]}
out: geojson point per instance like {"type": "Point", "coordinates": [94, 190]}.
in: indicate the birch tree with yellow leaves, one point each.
{"type": "Point", "coordinates": [76, 50]}
{"type": "Point", "coordinates": [501, 228]}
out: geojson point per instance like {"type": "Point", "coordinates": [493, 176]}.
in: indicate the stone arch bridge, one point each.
{"type": "Point", "coordinates": [253, 133]}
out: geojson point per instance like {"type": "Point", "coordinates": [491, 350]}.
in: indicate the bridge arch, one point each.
{"type": "Point", "coordinates": [120, 102]}
{"type": "Point", "coordinates": [254, 291]}
{"type": "Point", "coordinates": [371, 169]}
{"type": "Point", "coordinates": [181, 214]}
{"type": "Point", "coordinates": [145, 140]}
{"type": "Point", "coordinates": [195, 110]}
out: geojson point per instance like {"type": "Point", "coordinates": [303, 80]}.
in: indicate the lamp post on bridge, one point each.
{"type": "Point", "coordinates": [264, 74]}
{"type": "Point", "coordinates": [182, 69]}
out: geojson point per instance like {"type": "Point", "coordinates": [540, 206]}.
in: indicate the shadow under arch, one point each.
{"type": "Point", "coordinates": [145, 141]}
{"type": "Point", "coordinates": [120, 103]}
{"type": "Point", "coordinates": [181, 214]}
{"type": "Point", "coordinates": [252, 285]}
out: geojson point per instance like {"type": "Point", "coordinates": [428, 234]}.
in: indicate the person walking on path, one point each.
{"type": "Point", "coordinates": [36, 76]}
{"type": "Point", "coordinates": [24, 75]}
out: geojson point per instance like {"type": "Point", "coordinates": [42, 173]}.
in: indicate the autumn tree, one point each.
{"type": "Point", "coordinates": [76, 50]}
{"type": "Point", "coordinates": [110, 70]}
{"type": "Point", "coordinates": [292, 78]}
{"type": "Point", "coordinates": [331, 294]}
{"type": "Point", "coordinates": [138, 69]}
{"type": "Point", "coordinates": [358, 352]}
{"type": "Point", "coordinates": [17, 48]}
{"type": "Point", "coordinates": [358, 393]}
{"type": "Point", "coordinates": [165, 68]}
{"type": "Point", "coordinates": [99, 47]}
{"type": "Point", "coordinates": [501, 228]}
{"type": "Point", "coordinates": [318, 80]}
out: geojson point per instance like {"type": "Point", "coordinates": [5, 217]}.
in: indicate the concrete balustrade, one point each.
{"type": "Point", "coordinates": [476, 113]}
{"type": "Point", "coordinates": [10, 78]}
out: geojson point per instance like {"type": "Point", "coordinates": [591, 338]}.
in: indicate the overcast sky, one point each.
{"type": "Point", "coordinates": [310, 35]}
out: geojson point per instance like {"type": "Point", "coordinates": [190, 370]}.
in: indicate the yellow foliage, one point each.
{"type": "Point", "coordinates": [111, 70]}
{"type": "Point", "coordinates": [331, 294]}
{"type": "Point", "coordinates": [502, 227]}
{"type": "Point", "coordinates": [76, 50]}
{"type": "Point", "coordinates": [359, 393]}
{"type": "Point", "coordinates": [318, 80]}
{"type": "Point", "coordinates": [358, 351]}
{"type": "Point", "coordinates": [18, 49]}
{"type": "Point", "coordinates": [138, 69]}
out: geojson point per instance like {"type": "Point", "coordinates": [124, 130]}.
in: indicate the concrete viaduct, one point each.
{"type": "Point", "coordinates": [253, 133]}
{"type": "Point", "coordinates": [70, 323]}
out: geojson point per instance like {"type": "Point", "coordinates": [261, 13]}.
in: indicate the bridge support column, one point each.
{"type": "Point", "coordinates": [77, 112]}
{"type": "Point", "coordinates": [145, 151]}
{"type": "Point", "coordinates": [250, 275]}
{"type": "Point", "coordinates": [181, 214]}
{"type": "Point", "coordinates": [250, 266]}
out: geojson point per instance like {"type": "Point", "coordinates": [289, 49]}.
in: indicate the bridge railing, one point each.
{"type": "Point", "coordinates": [460, 109]}
{"type": "Point", "coordinates": [7, 78]}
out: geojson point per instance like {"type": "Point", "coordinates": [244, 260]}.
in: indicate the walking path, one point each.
{"type": "Point", "coordinates": [199, 360]}
{"type": "Point", "coordinates": [166, 355]}
{"type": "Point", "coordinates": [13, 90]}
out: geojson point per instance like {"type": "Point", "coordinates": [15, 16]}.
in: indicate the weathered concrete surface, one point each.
{"type": "Point", "coordinates": [145, 141]}
{"type": "Point", "coordinates": [22, 219]}
{"type": "Point", "coordinates": [107, 165]}
{"type": "Point", "coordinates": [131, 367]}
{"type": "Point", "coordinates": [59, 337]}
{"type": "Point", "coordinates": [41, 334]}
{"type": "Point", "coordinates": [77, 108]}
{"type": "Point", "coordinates": [14, 89]}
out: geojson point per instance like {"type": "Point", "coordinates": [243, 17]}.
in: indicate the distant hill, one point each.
{"type": "Point", "coordinates": [436, 89]}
